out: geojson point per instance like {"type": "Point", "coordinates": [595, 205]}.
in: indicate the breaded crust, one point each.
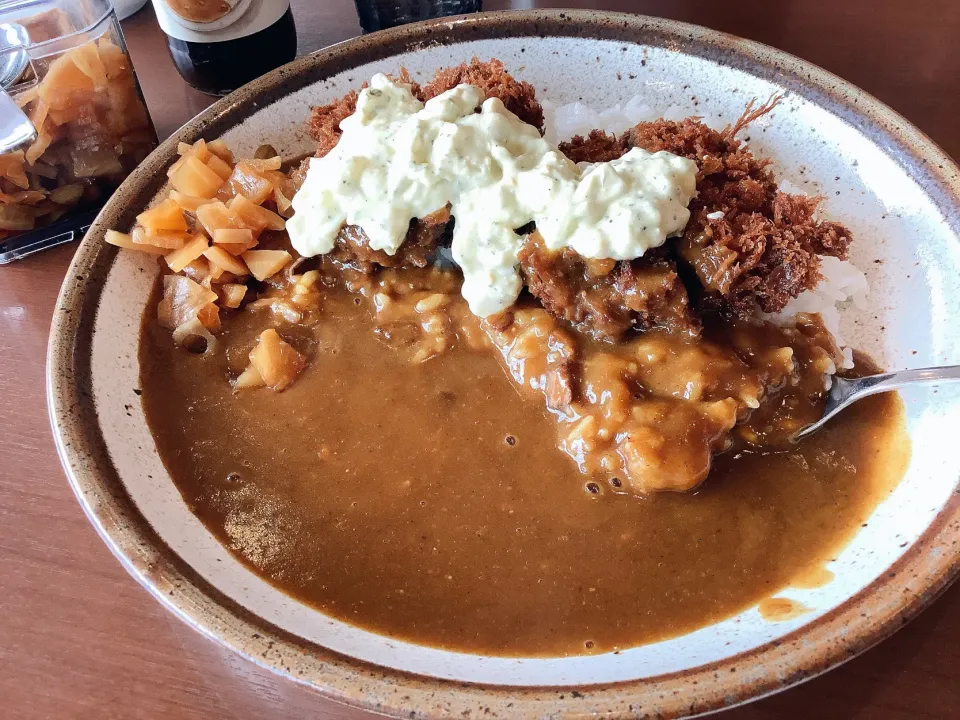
{"type": "Point", "coordinates": [765, 248]}
{"type": "Point", "coordinates": [750, 246]}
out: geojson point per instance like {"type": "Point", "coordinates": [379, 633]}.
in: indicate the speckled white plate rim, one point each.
{"type": "Point", "coordinates": [92, 501]}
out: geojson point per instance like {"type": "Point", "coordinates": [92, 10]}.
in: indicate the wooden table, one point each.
{"type": "Point", "coordinates": [80, 639]}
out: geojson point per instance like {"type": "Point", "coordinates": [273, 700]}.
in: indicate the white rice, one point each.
{"type": "Point", "coordinates": [842, 281]}
{"type": "Point", "coordinates": [565, 121]}
{"type": "Point", "coordinates": [791, 188]}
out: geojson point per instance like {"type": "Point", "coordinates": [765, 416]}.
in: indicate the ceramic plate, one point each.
{"type": "Point", "coordinates": [880, 176]}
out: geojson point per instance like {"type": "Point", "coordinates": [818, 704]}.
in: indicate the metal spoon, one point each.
{"type": "Point", "coordinates": [845, 392]}
{"type": "Point", "coordinates": [15, 128]}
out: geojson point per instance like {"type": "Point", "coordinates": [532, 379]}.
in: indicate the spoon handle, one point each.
{"type": "Point", "coordinates": [846, 392]}
{"type": "Point", "coordinates": [862, 387]}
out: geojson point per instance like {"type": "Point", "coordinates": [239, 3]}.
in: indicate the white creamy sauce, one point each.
{"type": "Point", "coordinates": [400, 159]}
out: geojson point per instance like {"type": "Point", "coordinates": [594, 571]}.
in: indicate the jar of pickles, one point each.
{"type": "Point", "coordinates": [73, 125]}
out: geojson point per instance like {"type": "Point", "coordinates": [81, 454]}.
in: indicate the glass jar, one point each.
{"type": "Point", "coordinates": [90, 126]}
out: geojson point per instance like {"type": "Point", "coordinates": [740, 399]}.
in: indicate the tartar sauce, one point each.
{"type": "Point", "coordinates": [400, 159]}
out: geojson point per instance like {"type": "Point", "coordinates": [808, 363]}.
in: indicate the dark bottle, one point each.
{"type": "Point", "coordinates": [381, 14]}
{"type": "Point", "coordinates": [219, 45]}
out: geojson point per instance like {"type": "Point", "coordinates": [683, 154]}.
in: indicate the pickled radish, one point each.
{"type": "Point", "coordinates": [255, 215]}
{"type": "Point", "coordinates": [192, 177]}
{"type": "Point", "coordinates": [247, 181]}
{"type": "Point", "coordinates": [166, 215]}
{"type": "Point", "coordinates": [220, 257]}
{"type": "Point", "coordinates": [233, 294]}
{"type": "Point", "coordinates": [188, 202]}
{"type": "Point", "coordinates": [234, 241]}
{"type": "Point", "coordinates": [125, 241]}
{"type": "Point", "coordinates": [264, 264]}
{"type": "Point", "coordinates": [219, 166]}
{"type": "Point", "coordinates": [216, 216]}
{"type": "Point", "coordinates": [276, 361]}
{"type": "Point", "coordinates": [220, 149]}
{"type": "Point", "coordinates": [179, 259]}
{"type": "Point", "coordinates": [167, 239]}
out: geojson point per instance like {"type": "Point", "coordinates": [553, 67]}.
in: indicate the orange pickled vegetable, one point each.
{"type": "Point", "coordinates": [45, 138]}
{"type": "Point", "coordinates": [166, 239]}
{"type": "Point", "coordinates": [219, 148]}
{"type": "Point", "coordinates": [176, 166]}
{"type": "Point", "coordinates": [234, 241]}
{"type": "Point", "coordinates": [166, 215]}
{"type": "Point", "coordinates": [188, 202]}
{"type": "Point", "coordinates": [193, 336]}
{"type": "Point", "coordinates": [113, 58]}
{"type": "Point", "coordinates": [65, 84]}
{"type": "Point", "coordinates": [182, 300]}
{"type": "Point", "coordinates": [247, 181]}
{"type": "Point", "coordinates": [11, 168]}
{"type": "Point", "coordinates": [220, 167]}
{"type": "Point", "coordinates": [255, 216]}
{"type": "Point", "coordinates": [198, 150]}
{"type": "Point", "coordinates": [125, 241]}
{"type": "Point", "coordinates": [23, 197]}
{"type": "Point", "coordinates": [217, 216]}
{"type": "Point", "coordinates": [233, 294]}
{"type": "Point", "coordinates": [88, 61]}
{"type": "Point", "coordinates": [274, 163]}
{"type": "Point", "coordinates": [249, 378]}
{"type": "Point", "coordinates": [221, 258]}
{"type": "Point", "coordinates": [17, 217]}
{"type": "Point", "coordinates": [192, 177]}
{"type": "Point", "coordinates": [213, 276]}
{"type": "Point", "coordinates": [209, 317]}
{"type": "Point", "coordinates": [276, 361]}
{"type": "Point", "coordinates": [265, 264]}
{"type": "Point", "coordinates": [91, 128]}
{"type": "Point", "coordinates": [198, 270]}
{"type": "Point", "coordinates": [283, 203]}
{"type": "Point", "coordinates": [69, 114]}
{"type": "Point", "coordinates": [209, 244]}
{"type": "Point", "coordinates": [179, 259]}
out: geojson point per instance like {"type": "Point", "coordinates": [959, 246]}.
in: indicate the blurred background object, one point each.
{"type": "Point", "coordinates": [67, 70]}
{"type": "Point", "coordinates": [126, 8]}
{"type": "Point", "coordinates": [380, 14]}
{"type": "Point", "coordinates": [219, 45]}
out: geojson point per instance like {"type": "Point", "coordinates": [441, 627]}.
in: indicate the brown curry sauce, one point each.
{"type": "Point", "coordinates": [428, 501]}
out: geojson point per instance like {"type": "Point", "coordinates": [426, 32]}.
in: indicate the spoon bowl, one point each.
{"type": "Point", "coordinates": [15, 127]}
{"type": "Point", "coordinates": [13, 54]}
{"type": "Point", "coordinates": [846, 391]}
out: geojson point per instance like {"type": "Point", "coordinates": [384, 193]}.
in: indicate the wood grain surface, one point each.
{"type": "Point", "coordinates": [79, 638]}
